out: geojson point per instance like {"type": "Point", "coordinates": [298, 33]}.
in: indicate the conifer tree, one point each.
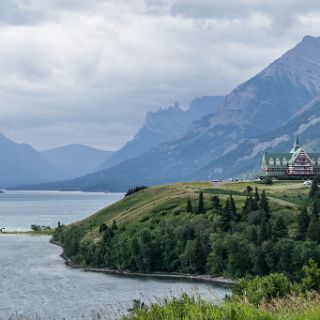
{"type": "Point", "coordinates": [314, 188]}
{"type": "Point", "coordinates": [189, 205]}
{"type": "Point", "coordinates": [249, 189]}
{"type": "Point", "coordinates": [201, 208]}
{"type": "Point", "coordinates": [226, 217]}
{"type": "Point", "coordinates": [216, 203]}
{"type": "Point", "coordinates": [303, 224]}
{"type": "Point", "coordinates": [248, 207]}
{"type": "Point", "coordinates": [253, 235]}
{"type": "Point", "coordinates": [257, 195]}
{"type": "Point", "coordinates": [315, 209]}
{"type": "Point", "coordinates": [264, 205]}
{"type": "Point", "coordinates": [280, 229]}
{"type": "Point", "coordinates": [313, 233]}
{"type": "Point", "coordinates": [263, 233]}
{"type": "Point", "coordinates": [233, 206]}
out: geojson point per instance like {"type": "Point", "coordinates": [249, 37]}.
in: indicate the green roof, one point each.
{"type": "Point", "coordinates": [288, 157]}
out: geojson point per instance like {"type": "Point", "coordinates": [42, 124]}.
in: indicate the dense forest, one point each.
{"type": "Point", "coordinates": [205, 235]}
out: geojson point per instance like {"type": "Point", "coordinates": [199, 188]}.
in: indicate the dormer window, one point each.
{"type": "Point", "coordinates": [271, 161]}
{"type": "Point", "coordinates": [284, 161]}
{"type": "Point", "coordinates": [278, 162]}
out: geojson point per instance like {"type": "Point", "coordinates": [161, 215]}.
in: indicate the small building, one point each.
{"type": "Point", "coordinates": [296, 164]}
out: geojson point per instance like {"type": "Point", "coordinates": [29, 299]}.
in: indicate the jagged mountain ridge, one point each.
{"type": "Point", "coordinates": [162, 126]}
{"type": "Point", "coordinates": [264, 102]}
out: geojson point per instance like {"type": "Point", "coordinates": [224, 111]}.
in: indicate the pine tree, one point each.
{"type": "Point", "coordinates": [216, 203]}
{"type": "Point", "coordinates": [233, 206]}
{"type": "Point", "coordinates": [313, 233]}
{"type": "Point", "coordinates": [249, 190]}
{"type": "Point", "coordinates": [248, 207]}
{"type": "Point", "coordinates": [315, 209]}
{"type": "Point", "coordinates": [314, 188]}
{"type": "Point", "coordinates": [263, 233]}
{"type": "Point", "coordinates": [201, 208]}
{"type": "Point", "coordinates": [189, 205]}
{"type": "Point", "coordinates": [280, 229]}
{"type": "Point", "coordinates": [264, 205]}
{"type": "Point", "coordinates": [257, 195]}
{"type": "Point", "coordinates": [226, 217]}
{"type": "Point", "coordinates": [303, 224]}
{"type": "Point", "coordinates": [199, 256]}
{"type": "Point", "coordinates": [253, 235]}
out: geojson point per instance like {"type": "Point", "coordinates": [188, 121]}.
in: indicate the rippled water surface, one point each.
{"type": "Point", "coordinates": [35, 280]}
{"type": "Point", "coordinates": [20, 209]}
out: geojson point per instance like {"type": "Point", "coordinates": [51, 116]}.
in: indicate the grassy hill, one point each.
{"type": "Point", "coordinates": [285, 198]}
{"type": "Point", "coordinates": [152, 230]}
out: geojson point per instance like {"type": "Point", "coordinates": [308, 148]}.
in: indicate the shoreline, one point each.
{"type": "Point", "coordinates": [26, 233]}
{"type": "Point", "coordinates": [179, 276]}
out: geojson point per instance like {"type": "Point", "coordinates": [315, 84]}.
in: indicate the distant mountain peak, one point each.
{"type": "Point", "coordinates": [308, 38]}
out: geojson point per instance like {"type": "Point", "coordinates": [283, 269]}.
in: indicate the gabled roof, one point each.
{"type": "Point", "coordinates": [289, 157]}
{"type": "Point", "coordinates": [312, 156]}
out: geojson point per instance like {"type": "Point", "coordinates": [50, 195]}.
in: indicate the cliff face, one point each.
{"type": "Point", "coordinates": [162, 126]}
{"type": "Point", "coordinates": [230, 141]}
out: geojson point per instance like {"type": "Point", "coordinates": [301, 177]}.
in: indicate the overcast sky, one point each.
{"type": "Point", "coordinates": [87, 71]}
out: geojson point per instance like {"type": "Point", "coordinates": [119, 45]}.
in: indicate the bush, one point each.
{"type": "Point", "coordinates": [35, 227]}
{"type": "Point", "coordinates": [266, 180]}
{"type": "Point", "coordinates": [311, 281]}
{"type": "Point", "coordinates": [259, 289]}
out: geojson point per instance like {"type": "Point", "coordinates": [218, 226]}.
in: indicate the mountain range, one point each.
{"type": "Point", "coordinates": [162, 126]}
{"type": "Point", "coordinates": [22, 164]}
{"type": "Point", "coordinates": [263, 113]}
{"type": "Point", "coordinates": [75, 160]}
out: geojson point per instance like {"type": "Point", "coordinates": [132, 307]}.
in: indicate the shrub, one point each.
{"type": "Point", "coordinates": [311, 281]}
{"type": "Point", "coordinates": [259, 289]}
{"type": "Point", "coordinates": [266, 180]}
{"type": "Point", "coordinates": [35, 227]}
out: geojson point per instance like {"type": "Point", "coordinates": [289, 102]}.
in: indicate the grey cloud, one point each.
{"type": "Point", "coordinates": [88, 70]}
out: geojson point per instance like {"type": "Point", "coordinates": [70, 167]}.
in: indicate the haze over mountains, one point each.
{"type": "Point", "coordinates": [22, 164]}
{"type": "Point", "coordinates": [264, 113]}
{"type": "Point", "coordinates": [75, 160]}
{"type": "Point", "coordinates": [163, 126]}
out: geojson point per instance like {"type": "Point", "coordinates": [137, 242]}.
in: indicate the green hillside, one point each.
{"type": "Point", "coordinates": [234, 233]}
{"type": "Point", "coordinates": [285, 197]}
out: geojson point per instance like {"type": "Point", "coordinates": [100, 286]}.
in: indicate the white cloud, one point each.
{"type": "Point", "coordinates": [88, 70]}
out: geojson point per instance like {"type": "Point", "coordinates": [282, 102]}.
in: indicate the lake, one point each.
{"type": "Point", "coordinates": [35, 280]}
{"type": "Point", "coordinates": [20, 209]}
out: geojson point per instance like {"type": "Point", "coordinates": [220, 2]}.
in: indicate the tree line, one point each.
{"type": "Point", "coordinates": [214, 237]}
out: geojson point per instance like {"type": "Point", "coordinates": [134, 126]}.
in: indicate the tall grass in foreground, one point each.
{"type": "Point", "coordinates": [293, 307]}
{"type": "Point", "coordinates": [194, 308]}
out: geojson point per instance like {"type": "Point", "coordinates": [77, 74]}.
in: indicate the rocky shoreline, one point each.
{"type": "Point", "coordinates": [182, 276]}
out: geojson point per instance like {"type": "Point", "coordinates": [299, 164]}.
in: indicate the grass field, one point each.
{"type": "Point", "coordinates": [285, 198]}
